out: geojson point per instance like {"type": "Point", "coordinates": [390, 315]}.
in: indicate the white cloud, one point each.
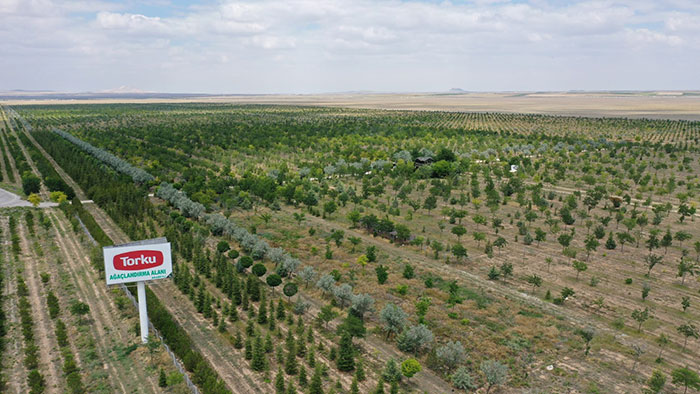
{"type": "Point", "coordinates": [131, 22]}
{"type": "Point", "coordinates": [349, 44]}
{"type": "Point", "coordinates": [646, 36]}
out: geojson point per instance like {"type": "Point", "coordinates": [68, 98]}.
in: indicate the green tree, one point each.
{"type": "Point", "coordinates": [162, 379]}
{"type": "Point", "coordinates": [430, 203]}
{"type": "Point", "coordinates": [641, 316]}
{"type": "Point", "coordinates": [393, 319]}
{"type": "Point", "coordinates": [656, 383]}
{"type": "Point", "coordinates": [494, 273]}
{"type": "Point", "coordinates": [30, 183]}
{"type": "Point", "coordinates": [566, 292]}
{"type": "Point", "coordinates": [579, 266]}
{"type": "Point", "coordinates": [79, 309]}
{"type": "Point", "coordinates": [259, 269]}
{"type": "Point", "coordinates": [459, 251]}
{"type": "Point", "coordinates": [652, 260]}
{"type": "Point", "coordinates": [685, 303]}
{"type": "Point", "coordinates": [290, 289]}
{"type": "Point", "coordinates": [591, 245]}
{"type": "Point", "coordinates": [316, 386]}
{"type": "Point", "coordinates": [346, 358]}
{"type": "Point", "coordinates": [494, 372]}
{"type": "Point", "coordinates": [58, 197]}
{"type": "Point", "coordinates": [329, 207]}
{"type": "Point", "coordinates": [354, 217]}
{"type": "Point", "coordinates": [685, 266]}
{"type": "Point", "coordinates": [258, 362]}
{"type": "Point", "coordinates": [291, 366]}
{"type": "Point", "coordinates": [354, 241]}
{"type": "Point", "coordinates": [535, 280]}
{"type": "Point", "coordinates": [34, 199]}
{"type": "Point", "coordinates": [540, 235]}
{"type": "Point", "coordinates": [222, 247]}
{"type": "Point", "coordinates": [463, 380]}
{"type": "Point", "coordinates": [273, 280]}
{"type": "Point", "coordinates": [360, 371]}
{"type": "Point", "coordinates": [354, 388]}
{"type": "Point", "coordinates": [587, 335]}
{"type": "Point", "coordinates": [686, 378]}
{"type": "Point", "coordinates": [646, 288]}
{"type": "Point", "coordinates": [279, 381]}
{"type": "Point", "coordinates": [382, 274]}
{"type": "Point", "coordinates": [371, 253]}
{"type": "Point", "coordinates": [610, 244]}
{"type": "Point", "coordinates": [392, 372]}
{"type": "Point", "coordinates": [688, 331]}
{"type": "Point", "coordinates": [459, 231]}
{"type": "Point", "coordinates": [666, 241]}
{"type": "Point", "coordinates": [506, 270]}
{"type": "Point", "coordinates": [410, 367]}
{"type": "Point", "coordinates": [326, 314]}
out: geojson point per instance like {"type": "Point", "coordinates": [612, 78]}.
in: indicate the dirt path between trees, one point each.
{"type": "Point", "coordinates": [212, 346]}
{"type": "Point", "coordinates": [45, 337]}
{"type": "Point", "coordinates": [105, 325]}
{"type": "Point", "coordinates": [78, 191]}
{"type": "Point", "coordinates": [44, 192]}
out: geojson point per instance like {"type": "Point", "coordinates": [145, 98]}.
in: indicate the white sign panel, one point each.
{"type": "Point", "coordinates": [139, 261]}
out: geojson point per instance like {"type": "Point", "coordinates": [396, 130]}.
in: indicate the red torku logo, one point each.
{"type": "Point", "coordinates": [138, 260]}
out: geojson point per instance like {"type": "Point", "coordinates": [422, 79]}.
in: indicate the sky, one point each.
{"type": "Point", "coordinates": [317, 46]}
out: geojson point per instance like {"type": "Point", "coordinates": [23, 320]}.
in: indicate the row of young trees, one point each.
{"type": "Point", "coordinates": [119, 165]}
{"type": "Point", "coordinates": [122, 200]}
{"type": "Point", "coordinates": [35, 379]}
{"type": "Point", "coordinates": [127, 204]}
{"type": "Point", "coordinates": [50, 178]}
{"type": "Point", "coordinates": [244, 289]}
{"type": "Point", "coordinates": [71, 371]}
{"type": "Point", "coordinates": [3, 318]}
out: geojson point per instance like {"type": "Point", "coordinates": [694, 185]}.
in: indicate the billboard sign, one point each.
{"type": "Point", "coordinates": [138, 261]}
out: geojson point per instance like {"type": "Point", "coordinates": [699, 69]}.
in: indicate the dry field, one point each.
{"type": "Point", "coordinates": [652, 105]}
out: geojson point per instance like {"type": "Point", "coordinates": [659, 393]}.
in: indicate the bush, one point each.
{"type": "Point", "coordinates": [259, 269]}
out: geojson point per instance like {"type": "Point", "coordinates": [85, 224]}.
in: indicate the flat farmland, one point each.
{"type": "Point", "coordinates": [677, 105]}
{"type": "Point", "coordinates": [412, 249]}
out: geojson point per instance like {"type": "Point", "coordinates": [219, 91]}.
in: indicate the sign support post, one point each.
{"type": "Point", "coordinates": [143, 312]}
{"type": "Point", "coordinates": [138, 262]}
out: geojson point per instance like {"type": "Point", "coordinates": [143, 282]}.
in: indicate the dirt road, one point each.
{"type": "Point", "coordinates": [9, 199]}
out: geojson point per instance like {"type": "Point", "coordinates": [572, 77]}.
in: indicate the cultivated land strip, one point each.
{"type": "Point", "coordinates": [43, 190]}
{"type": "Point", "coordinates": [212, 346]}
{"type": "Point", "coordinates": [16, 373]}
{"type": "Point", "coordinates": [105, 327]}
{"type": "Point", "coordinates": [6, 152]}
{"type": "Point", "coordinates": [66, 178]}
{"type": "Point", "coordinates": [2, 154]}
{"type": "Point", "coordinates": [70, 260]}
{"type": "Point", "coordinates": [50, 360]}
{"type": "Point", "coordinates": [573, 316]}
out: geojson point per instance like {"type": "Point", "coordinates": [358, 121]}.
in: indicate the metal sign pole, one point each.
{"type": "Point", "coordinates": [143, 312]}
{"type": "Point", "coordinates": [138, 262]}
